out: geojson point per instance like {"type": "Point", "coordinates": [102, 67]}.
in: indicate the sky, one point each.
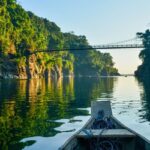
{"type": "Point", "coordinates": [101, 21]}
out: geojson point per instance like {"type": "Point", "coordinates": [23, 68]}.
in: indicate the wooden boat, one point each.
{"type": "Point", "coordinates": [118, 138]}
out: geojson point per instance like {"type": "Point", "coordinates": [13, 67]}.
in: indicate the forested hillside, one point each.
{"type": "Point", "coordinates": [22, 33]}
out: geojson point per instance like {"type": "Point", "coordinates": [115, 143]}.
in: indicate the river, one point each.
{"type": "Point", "coordinates": [42, 114]}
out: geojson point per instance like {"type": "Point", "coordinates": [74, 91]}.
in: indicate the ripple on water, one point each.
{"type": "Point", "coordinates": [47, 113]}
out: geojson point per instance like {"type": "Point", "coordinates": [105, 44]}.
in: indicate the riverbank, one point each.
{"type": "Point", "coordinates": [31, 68]}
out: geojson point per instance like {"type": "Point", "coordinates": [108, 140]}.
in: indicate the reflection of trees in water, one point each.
{"type": "Point", "coordinates": [145, 96]}
{"type": "Point", "coordinates": [87, 89]}
{"type": "Point", "coordinates": [25, 114]}
{"type": "Point", "coordinates": [26, 106]}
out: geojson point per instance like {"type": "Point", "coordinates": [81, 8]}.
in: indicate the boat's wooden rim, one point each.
{"type": "Point", "coordinates": [77, 132]}
{"type": "Point", "coordinates": [124, 126]}
{"type": "Point", "coordinates": [105, 106]}
{"type": "Point", "coordinates": [90, 120]}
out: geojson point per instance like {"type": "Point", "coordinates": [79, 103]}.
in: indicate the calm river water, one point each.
{"type": "Point", "coordinates": [42, 114]}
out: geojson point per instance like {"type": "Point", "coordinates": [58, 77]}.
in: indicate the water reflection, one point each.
{"type": "Point", "coordinates": [34, 108]}
{"type": "Point", "coordinates": [145, 97]}
{"type": "Point", "coordinates": [130, 106]}
{"type": "Point", "coordinates": [45, 112]}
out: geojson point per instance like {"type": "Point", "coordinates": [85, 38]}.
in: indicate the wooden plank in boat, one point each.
{"type": "Point", "coordinates": [109, 133]}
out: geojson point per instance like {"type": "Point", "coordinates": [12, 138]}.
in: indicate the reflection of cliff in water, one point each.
{"type": "Point", "coordinates": [28, 108]}
{"type": "Point", "coordinates": [145, 96]}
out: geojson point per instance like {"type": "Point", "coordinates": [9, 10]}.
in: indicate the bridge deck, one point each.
{"type": "Point", "coordinates": [127, 46]}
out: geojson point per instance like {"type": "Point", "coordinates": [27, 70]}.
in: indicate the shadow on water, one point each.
{"type": "Point", "coordinates": [145, 98]}
{"type": "Point", "coordinates": [30, 108]}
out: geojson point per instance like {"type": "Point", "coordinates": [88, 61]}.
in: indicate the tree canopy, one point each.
{"type": "Point", "coordinates": [23, 32]}
{"type": "Point", "coordinates": [143, 70]}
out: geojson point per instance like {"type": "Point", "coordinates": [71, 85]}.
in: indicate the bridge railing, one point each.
{"type": "Point", "coordinates": [118, 46]}
{"type": "Point", "coordinates": [94, 47]}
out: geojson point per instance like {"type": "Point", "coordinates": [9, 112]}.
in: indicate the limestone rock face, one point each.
{"type": "Point", "coordinates": [31, 69]}
{"type": "Point", "coordinates": [22, 73]}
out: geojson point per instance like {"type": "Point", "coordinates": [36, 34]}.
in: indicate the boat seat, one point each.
{"type": "Point", "coordinates": [105, 133]}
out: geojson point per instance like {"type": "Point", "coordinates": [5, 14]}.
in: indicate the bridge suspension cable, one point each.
{"type": "Point", "coordinates": [135, 43]}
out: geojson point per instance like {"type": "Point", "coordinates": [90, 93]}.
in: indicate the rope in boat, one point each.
{"type": "Point", "coordinates": [88, 133]}
{"type": "Point", "coordinates": [103, 123]}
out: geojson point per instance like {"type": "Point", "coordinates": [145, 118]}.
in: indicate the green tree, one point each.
{"type": "Point", "coordinates": [143, 70]}
{"type": "Point", "coordinates": [23, 33]}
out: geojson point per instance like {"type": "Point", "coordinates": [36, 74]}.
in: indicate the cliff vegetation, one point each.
{"type": "Point", "coordinates": [23, 33]}
{"type": "Point", "coordinates": [143, 71]}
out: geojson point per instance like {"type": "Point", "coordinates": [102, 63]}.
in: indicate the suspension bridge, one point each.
{"type": "Point", "coordinates": [134, 43]}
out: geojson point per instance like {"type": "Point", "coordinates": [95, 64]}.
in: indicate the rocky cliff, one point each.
{"type": "Point", "coordinates": [30, 69]}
